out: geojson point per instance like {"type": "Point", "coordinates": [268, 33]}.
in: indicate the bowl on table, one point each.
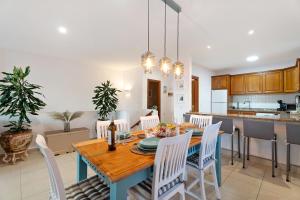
{"type": "Point", "coordinates": [123, 135]}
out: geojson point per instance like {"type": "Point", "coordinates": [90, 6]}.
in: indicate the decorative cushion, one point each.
{"type": "Point", "coordinates": [145, 188]}
{"type": "Point", "coordinates": [193, 160]}
{"type": "Point", "coordinates": [90, 189]}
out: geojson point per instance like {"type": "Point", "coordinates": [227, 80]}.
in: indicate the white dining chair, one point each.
{"type": "Point", "coordinates": [205, 160]}
{"type": "Point", "coordinates": [89, 189]}
{"type": "Point", "coordinates": [122, 125]}
{"type": "Point", "coordinates": [149, 121]}
{"type": "Point", "coordinates": [168, 171]}
{"type": "Point", "coordinates": [102, 129]}
{"type": "Point", "coordinates": [201, 120]}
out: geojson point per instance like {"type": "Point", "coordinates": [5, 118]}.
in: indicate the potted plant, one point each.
{"type": "Point", "coordinates": [105, 99]}
{"type": "Point", "coordinates": [18, 99]}
{"type": "Point", "coordinates": [66, 117]}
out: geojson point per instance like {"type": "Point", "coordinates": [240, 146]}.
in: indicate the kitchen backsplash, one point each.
{"type": "Point", "coordinates": [268, 101]}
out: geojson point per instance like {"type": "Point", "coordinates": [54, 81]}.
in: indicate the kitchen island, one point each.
{"type": "Point", "coordinates": [261, 148]}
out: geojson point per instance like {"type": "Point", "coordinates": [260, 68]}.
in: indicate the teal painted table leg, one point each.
{"type": "Point", "coordinates": [118, 190]}
{"type": "Point", "coordinates": [81, 168]}
{"type": "Point", "coordinates": [218, 160]}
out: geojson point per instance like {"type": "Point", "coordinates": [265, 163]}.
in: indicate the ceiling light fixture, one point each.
{"type": "Point", "coordinates": [178, 66]}
{"type": "Point", "coordinates": [252, 58]}
{"type": "Point", "coordinates": [148, 58]}
{"type": "Point", "coordinates": [165, 63]}
{"type": "Point", "coordinates": [62, 30]}
{"type": "Point", "coordinates": [208, 46]}
{"type": "Point", "coordinates": [251, 32]}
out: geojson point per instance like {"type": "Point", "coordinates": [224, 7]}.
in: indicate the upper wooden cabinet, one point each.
{"type": "Point", "coordinates": [291, 79]}
{"type": "Point", "coordinates": [273, 81]}
{"type": "Point", "coordinates": [254, 83]}
{"type": "Point", "coordinates": [220, 82]}
{"type": "Point", "coordinates": [237, 84]}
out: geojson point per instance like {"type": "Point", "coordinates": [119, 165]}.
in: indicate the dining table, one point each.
{"type": "Point", "coordinates": [122, 168]}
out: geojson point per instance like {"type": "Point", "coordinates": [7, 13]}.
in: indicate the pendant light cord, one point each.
{"type": "Point", "coordinates": [148, 25]}
{"type": "Point", "coordinates": [178, 36]}
{"type": "Point", "coordinates": [165, 36]}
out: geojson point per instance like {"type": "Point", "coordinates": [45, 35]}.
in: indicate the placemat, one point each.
{"type": "Point", "coordinates": [136, 150]}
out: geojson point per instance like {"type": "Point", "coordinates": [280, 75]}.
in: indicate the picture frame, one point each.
{"type": "Point", "coordinates": [180, 85]}
{"type": "Point", "coordinates": [180, 98]}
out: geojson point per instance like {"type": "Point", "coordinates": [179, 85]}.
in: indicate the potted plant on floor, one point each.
{"type": "Point", "coordinates": [18, 99]}
{"type": "Point", "coordinates": [105, 99]}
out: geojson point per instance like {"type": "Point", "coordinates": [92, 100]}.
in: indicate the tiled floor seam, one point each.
{"type": "Point", "coordinates": [260, 185]}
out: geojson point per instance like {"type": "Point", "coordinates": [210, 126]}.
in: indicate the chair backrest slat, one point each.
{"type": "Point", "coordinates": [170, 161]}
{"type": "Point", "coordinates": [201, 120]}
{"type": "Point", "coordinates": [57, 190]}
{"type": "Point", "coordinates": [149, 121]}
{"type": "Point", "coordinates": [209, 143]}
{"type": "Point", "coordinates": [122, 124]}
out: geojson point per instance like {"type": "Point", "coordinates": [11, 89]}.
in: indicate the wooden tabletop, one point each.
{"type": "Point", "coordinates": [118, 164]}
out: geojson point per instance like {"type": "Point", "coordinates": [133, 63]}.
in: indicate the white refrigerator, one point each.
{"type": "Point", "coordinates": [219, 101]}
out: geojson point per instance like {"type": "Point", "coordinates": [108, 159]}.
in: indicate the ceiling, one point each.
{"type": "Point", "coordinates": [113, 33]}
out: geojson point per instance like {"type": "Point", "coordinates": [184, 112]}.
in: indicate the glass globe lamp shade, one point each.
{"type": "Point", "coordinates": [178, 69]}
{"type": "Point", "coordinates": [148, 62]}
{"type": "Point", "coordinates": [165, 65]}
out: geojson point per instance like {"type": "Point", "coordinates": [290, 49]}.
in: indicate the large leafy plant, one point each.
{"type": "Point", "coordinates": [105, 99]}
{"type": "Point", "coordinates": [18, 98]}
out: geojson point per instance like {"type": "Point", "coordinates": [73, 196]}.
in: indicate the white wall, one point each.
{"type": "Point", "coordinates": [204, 87]}
{"type": "Point", "coordinates": [69, 85]}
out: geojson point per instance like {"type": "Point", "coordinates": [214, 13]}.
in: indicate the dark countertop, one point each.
{"type": "Point", "coordinates": [284, 117]}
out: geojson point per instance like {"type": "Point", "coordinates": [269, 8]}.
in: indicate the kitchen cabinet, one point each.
{"type": "Point", "coordinates": [291, 79]}
{"type": "Point", "coordinates": [237, 84]}
{"type": "Point", "coordinates": [273, 81]}
{"type": "Point", "coordinates": [239, 112]}
{"type": "Point", "coordinates": [220, 82]}
{"type": "Point", "coordinates": [254, 83]}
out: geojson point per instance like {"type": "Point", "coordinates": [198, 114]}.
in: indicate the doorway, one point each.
{"type": "Point", "coordinates": [153, 94]}
{"type": "Point", "coordinates": [195, 94]}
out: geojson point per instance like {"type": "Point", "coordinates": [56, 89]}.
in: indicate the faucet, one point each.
{"type": "Point", "coordinates": [249, 102]}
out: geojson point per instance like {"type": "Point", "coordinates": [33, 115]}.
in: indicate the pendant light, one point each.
{"type": "Point", "coordinates": [178, 66]}
{"type": "Point", "coordinates": [148, 58]}
{"type": "Point", "coordinates": [165, 63]}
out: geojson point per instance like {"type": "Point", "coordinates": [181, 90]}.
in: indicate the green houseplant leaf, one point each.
{"type": "Point", "coordinates": [18, 98]}
{"type": "Point", "coordinates": [105, 99]}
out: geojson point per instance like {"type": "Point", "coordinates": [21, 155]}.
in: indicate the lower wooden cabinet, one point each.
{"type": "Point", "coordinates": [291, 79]}
{"type": "Point", "coordinates": [273, 82]}
{"type": "Point", "coordinates": [238, 112]}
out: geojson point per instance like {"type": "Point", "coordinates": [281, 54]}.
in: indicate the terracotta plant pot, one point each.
{"type": "Point", "coordinates": [15, 142]}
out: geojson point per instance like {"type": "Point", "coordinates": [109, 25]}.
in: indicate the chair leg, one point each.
{"type": "Point", "coordinates": [231, 149]}
{"type": "Point", "coordinates": [244, 152]}
{"type": "Point", "coordinates": [182, 193]}
{"type": "Point", "coordinates": [202, 185]}
{"type": "Point", "coordinates": [248, 148]}
{"type": "Point", "coordinates": [273, 158]}
{"type": "Point", "coordinates": [288, 162]}
{"type": "Point", "coordinates": [218, 194]}
{"type": "Point", "coordinates": [239, 143]}
{"type": "Point", "coordinates": [276, 158]}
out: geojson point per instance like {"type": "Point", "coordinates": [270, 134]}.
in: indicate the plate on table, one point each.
{"type": "Point", "coordinates": [146, 149]}
{"type": "Point", "coordinates": [196, 131]}
{"type": "Point", "coordinates": [149, 143]}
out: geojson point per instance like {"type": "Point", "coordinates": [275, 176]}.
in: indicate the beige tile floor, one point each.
{"type": "Point", "coordinates": [28, 180]}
